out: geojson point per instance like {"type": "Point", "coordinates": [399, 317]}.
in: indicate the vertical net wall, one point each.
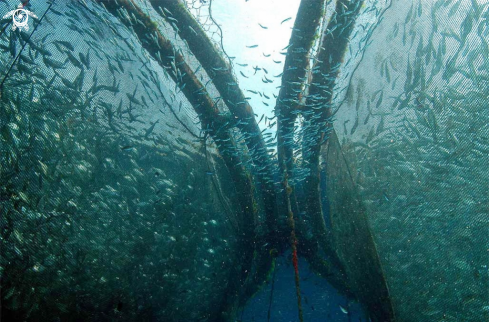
{"type": "Point", "coordinates": [114, 204]}
{"type": "Point", "coordinates": [414, 133]}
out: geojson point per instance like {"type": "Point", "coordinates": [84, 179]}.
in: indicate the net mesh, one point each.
{"type": "Point", "coordinates": [112, 200]}
{"type": "Point", "coordinates": [414, 134]}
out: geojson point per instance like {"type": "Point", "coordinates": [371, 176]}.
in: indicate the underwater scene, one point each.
{"type": "Point", "coordinates": [244, 160]}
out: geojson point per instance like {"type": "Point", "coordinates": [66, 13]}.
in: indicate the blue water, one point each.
{"type": "Point", "coordinates": [320, 301]}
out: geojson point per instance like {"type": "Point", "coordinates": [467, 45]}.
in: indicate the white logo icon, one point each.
{"type": "Point", "coordinates": [20, 18]}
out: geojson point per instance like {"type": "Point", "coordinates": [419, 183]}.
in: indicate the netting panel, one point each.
{"type": "Point", "coordinates": [112, 203]}
{"type": "Point", "coordinates": [414, 131]}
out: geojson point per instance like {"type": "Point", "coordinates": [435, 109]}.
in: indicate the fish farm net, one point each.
{"type": "Point", "coordinates": [137, 183]}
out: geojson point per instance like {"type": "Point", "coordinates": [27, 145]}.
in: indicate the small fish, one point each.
{"type": "Point", "coordinates": [285, 20]}
{"type": "Point", "coordinates": [287, 47]}
{"type": "Point", "coordinates": [133, 99]}
{"type": "Point", "coordinates": [73, 60]}
{"type": "Point", "coordinates": [353, 129]}
{"type": "Point", "coordinates": [126, 147]}
{"type": "Point", "coordinates": [148, 132]}
{"type": "Point", "coordinates": [56, 12]}
{"type": "Point", "coordinates": [252, 46]}
{"type": "Point", "coordinates": [243, 74]}
{"type": "Point", "coordinates": [266, 55]}
{"type": "Point", "coordinates": [65, 44]}
{"type": "Point", "coordinates": [242, 65]}
{"type": "Point", "coordinates": [168, 11]}
{"type": "Point", "coordinates": [343, 310]}
{"type": "Point", "coordinates": [262, 26]}
{"type": "Point", "coordinates": [85, 59]}
{"type": "Point", "coordinates": [53, 63]}
{"type": "Point", "coordinates": [193, 30]}
{"type": "Point", "coordinates": [267, 80]}
{"type": "Point", "coordinates": [209, 173]}
{"type": "Point", "coordinates": [13, 46]}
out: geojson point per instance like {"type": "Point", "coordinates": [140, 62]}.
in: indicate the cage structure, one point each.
{"type": "Point", "coordinates": [137, 185]}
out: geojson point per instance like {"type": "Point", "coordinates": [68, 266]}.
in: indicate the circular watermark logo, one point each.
{"type": "Point", "coordinates": [20, 18]}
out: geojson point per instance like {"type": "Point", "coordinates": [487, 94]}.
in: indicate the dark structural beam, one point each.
{"type": "Point", "coordinates": [220, 71]}
{"type": "Point", "coordinates": [294, 77]}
